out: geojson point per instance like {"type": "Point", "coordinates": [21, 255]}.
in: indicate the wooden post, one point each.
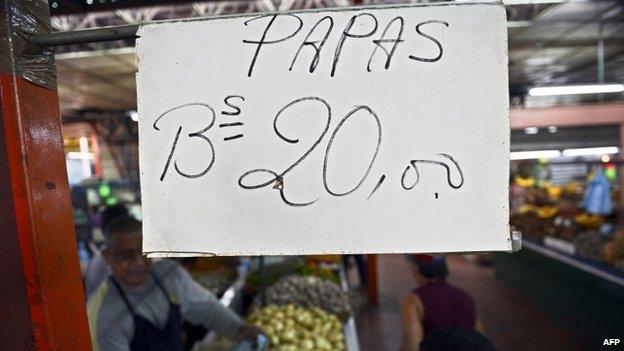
{"type": "Point", "coordinates": [371, 277]}
{"type": "Point", "coordinates": [42, 304]}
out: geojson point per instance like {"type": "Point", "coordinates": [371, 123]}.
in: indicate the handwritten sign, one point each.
{"type": "Point", "coordinates": [362, 130]}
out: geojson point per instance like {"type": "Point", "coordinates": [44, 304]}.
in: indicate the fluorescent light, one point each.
{"type": "Point", "coordinates": [80, 155]}
{"type": "Point", "coordinates": [531, 130]}
{"type": "Point", "coordinates": [83, 155]}
{"type": "Point", "coordinates": [533, 2]}
{"type": "Point", "coordinates": [552, 129]}
{"type": "Point", "coordinates": [134, 115]}
{"type": "Point", "coordinates": [591, 151]}
{"type": "Point", "coordinates": [518, 24]}
{"type": "Point", "coordinates": [576, 89]}
{"type": "Point", "coordinates": [539, 61]}
{"type": "Point", "coordinates": [531, 155]}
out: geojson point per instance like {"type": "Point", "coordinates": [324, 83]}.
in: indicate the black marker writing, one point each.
{"type": "Point", "coordinates": [404, 177]}
{"type": "Point", "coordinates": [198, 134]}
{"type": "Point", "coordinates": [346, 33]}
{"type": "Point", "coordinates": [381, 180]}
{"type": "Point", "coordinates": [237, 110]}
{"type": "Point", "coordinates": [314, 44]}
{"type": "Point", "coordinates": [237, 136]}
{"type": "Point", "coordinates": [414, 164]}
{"type": "Point", "coordinates": [430, 38]}
{"type": "Point", "coordinates": [233, 124]}
{"type": "Point", "coordinates": [278, 179]}
{"type": "Point", "coordinates": [263, 40]}
{"type": "Point", "coordinates": [383, 40]}
{"type": "Point", "coordinates": [331, 141]}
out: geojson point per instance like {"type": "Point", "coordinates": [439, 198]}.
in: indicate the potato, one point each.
{"type": "Point", "coordinates": [307, 344]}
{"type": "Point", "coordinates": [306, 330]}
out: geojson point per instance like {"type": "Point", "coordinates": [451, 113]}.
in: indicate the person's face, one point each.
{"type": "Point", "coordinates": [123, 254]}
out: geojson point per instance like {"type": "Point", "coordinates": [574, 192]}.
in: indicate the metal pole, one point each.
{"type": "Point", "coordinates": [86, 36]}
{"type": "Point", "coordinates": [601, 60]}
{"type": "Point", "coordinates": [263, 282]}
{"type": "Point", "coordinates": [42, 301]}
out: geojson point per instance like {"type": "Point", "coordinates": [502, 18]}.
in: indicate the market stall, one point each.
{"type": "Point", "coordinates": [565, 198]}
{"type": "Point", "coordinates": [306, 304]}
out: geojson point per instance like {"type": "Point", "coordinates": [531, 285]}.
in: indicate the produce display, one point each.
{"type": "Point", "coordinates": [272, 272]}
{"type": "Point", "coordinates": [309, 292]}
{"type": "Point", "coordinates": [543, 212]}
{"type": "Point", "coordinates": [293, 328]}
{"type": "Point", "coordinates": [328, 259]}
{"type": "Point", "coordinates": [216, 282]}
{"type": "Point", "coordinates": [533, 227]}
{"type": "Point", "coordinates": [213, 273]}
{"type": "Point", "coordinates": [588, 221]}
{"type": "Point", "coordinates": [311, 269]}
{"type": "Point", "coordinates": [590, 244]}
{"type": "Point", "coordinates": [557, 212]}
{"type": "Point", "coordinates": [613, 252]}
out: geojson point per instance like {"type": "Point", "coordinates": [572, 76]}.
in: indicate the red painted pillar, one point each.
{"type": "Point", "coordinates": [97, 152]}
{"type": "Point", "coordinates": [42, 304]}
{"type": "Point", "coordinates": [371, 277]}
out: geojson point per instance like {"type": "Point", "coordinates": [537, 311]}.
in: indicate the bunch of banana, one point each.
{"type": "Point", "coordinates": [546, 212]}
{"type": "Point", "coordinates": [588, 221]}
{"type": "Point", "coordinates": [524, 209]}
{"type": "Point", "coordinates": [525, 182]}
{"type": "Point", "coordinates": [554, 192]}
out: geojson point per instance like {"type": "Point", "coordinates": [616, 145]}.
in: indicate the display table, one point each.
{"type": "Point", "coordinates": [232, 298]}
{"type": "Point", "coordinates": [584, 295]}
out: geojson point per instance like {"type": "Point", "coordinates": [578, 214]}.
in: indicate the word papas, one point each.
{"type": "Point", "coordinates": [384, 39]}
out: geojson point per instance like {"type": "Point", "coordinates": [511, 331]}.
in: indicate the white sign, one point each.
{"type": "Point", "coordinates": [361, 130]}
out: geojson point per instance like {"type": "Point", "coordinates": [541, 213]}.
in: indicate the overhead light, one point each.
{"type": "Point", "coordinates": [535, 2]}
{"type": "Point", "coordinates": [532, 155]}
{"type": "Point", "coordinates": [552, 129]}
{"type": "Point", "coordinates": [531, 130]}
{"type": "Point", "coordinates": [134, 115]}
{"type": "Point", "coordinates": [576, 89]}
{"type": "Point", "coordinates": [605, 158]}
{"type": "Point", "coordinates": [518, 24]}
{"type": "Point", "coordinates": [80, 155]}
{"type": "Point", "coordinates": [591, 151]}
{"type": "Point", "coordinates": [539, 61]}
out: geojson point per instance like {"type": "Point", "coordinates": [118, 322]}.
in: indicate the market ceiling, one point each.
{"type": "Point", "coordinates": [73, 7]}
{"type": "Point", "coordinates": [551, 42]}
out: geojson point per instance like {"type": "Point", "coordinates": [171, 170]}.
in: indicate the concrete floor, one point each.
{"type": "Point", "coordinates": [511, 321]}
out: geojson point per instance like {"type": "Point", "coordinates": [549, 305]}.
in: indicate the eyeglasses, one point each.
{"type": "Point", "coordinates": [125, 256]}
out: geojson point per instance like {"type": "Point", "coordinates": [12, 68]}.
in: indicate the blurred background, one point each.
{"type": "Point", "coordinates": [563, 291]}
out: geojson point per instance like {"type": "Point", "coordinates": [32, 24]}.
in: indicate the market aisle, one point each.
{"type": "Point", "coordinates": [511, 321]}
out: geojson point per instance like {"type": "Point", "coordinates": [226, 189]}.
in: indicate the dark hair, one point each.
{"type": "Point", "coordinates": [110, 213]}
{"type": "Point", "coordinates": [429, 265]}
{"type": "Point", "coordinates": [456, 339]}
{"type": "Point", "coordinates": [122, 225]}
{"type": "Point", "coordinates": [436, 268]}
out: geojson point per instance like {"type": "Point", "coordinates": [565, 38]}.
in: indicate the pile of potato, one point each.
{"type": "Point", "coordinates": [309, 292]}
{"type": "Point", "coordinates": [293, 328]}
